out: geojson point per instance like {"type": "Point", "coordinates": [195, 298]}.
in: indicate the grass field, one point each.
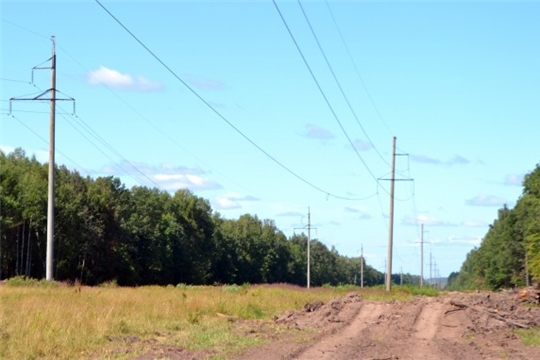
{"type": "Point", "coordinates": [40, 320]}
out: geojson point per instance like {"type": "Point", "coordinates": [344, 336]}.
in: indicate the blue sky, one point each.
{"type": "Point", "coordinates": [457, 83]}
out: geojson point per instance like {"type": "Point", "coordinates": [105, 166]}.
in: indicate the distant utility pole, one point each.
{"type": "Point", "coordinates": [308, 246]}
{"type": "Point", "coordinates": [422, 242]}
{"type": "Point", "coordinates": [49, 273]}
{"type": "Point", "coordinates": [362, 266]}
{"type": "Point", "coordinates": [388, 278]}
{"type": "Point", "coordinates": [401, 276]}
{"type": "Point", "coordinates": [430, 269]}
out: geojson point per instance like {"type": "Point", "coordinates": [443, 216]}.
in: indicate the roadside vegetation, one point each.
{"type": "Point", "coordinates": [47, 320]}
{"type": "Point", "coordinates": [509, 254]}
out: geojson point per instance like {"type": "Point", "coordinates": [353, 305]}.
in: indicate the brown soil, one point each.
{"type": "Point", "coordinates": [452, 326]}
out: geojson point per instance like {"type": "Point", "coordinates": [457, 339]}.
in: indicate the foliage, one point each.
{"type": "Point", "coordinates": [511, 247]}
{"type": "Point", "coordinates": [110, 235]}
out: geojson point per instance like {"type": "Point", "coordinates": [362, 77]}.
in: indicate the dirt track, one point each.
{"type": "Point", "coordinates": [454, 326]}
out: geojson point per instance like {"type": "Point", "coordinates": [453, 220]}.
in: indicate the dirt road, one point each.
{"type": "Point", "coordinates": [453, 326]}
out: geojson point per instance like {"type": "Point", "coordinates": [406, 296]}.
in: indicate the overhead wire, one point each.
{"type": "Point", "coordinates": [216, 112]}
{"type": "Point", "coordinates": [339, 84]}
{"type": "Point", "coordinates": [89, 130]}
{"type": "Point", "coordinates": [145, 119]}
{"type": "Point", "coordinates": [320, 89]}
{"type": "Point", "coordinates": [360, 78]}
{"type": "Point", "coordinates": [47, 142]}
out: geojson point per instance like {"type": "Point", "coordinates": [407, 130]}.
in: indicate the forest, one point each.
{"type": "Point", "coordinates": [509, 254]}
{"type": "Point", "coordinates": [105, 232]}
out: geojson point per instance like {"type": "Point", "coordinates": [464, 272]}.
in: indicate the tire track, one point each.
{"type": "Point", "coordinates": [328, 347]}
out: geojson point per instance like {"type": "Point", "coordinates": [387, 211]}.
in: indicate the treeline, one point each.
{"type": "Point", "coordinates": [106, 232]}
{"type": "Point", "coordinates": [510, 251]}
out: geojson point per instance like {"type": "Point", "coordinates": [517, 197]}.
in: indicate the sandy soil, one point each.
{"type": "Point", "coordinates": [453, 326]}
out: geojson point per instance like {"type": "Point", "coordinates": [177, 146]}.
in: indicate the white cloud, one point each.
{"type": "Point", "coordinates": [184, 181]}
{"type": "Point", "coordinates": [6, 149]}
{"type": "Point", "coordinates": [231, 201]}
{"type": "Point", "coordinates": [471, 240]}
{"type": "Point", "coordinates": [426, 220]}
{"type": "Point", "coordinates": [362, 145]}
{"type": "Point", "coordinates": [316, 132]}
{"type": "Point", "coordinates": [486, 200]}
{"type": "Point", "coordinates": [291, 213]}
{"type": "Point", "coordinates": [473, 223]}
{"type": "Point", "coordinates": [514, 179]}
{"type": "Point", "coordinates": [115, 79]}
{"type": "Point", "coordinates": [165, 176]}
{"type": "Point", "coordinates": [225, 203]}
{"type": "Point", "coordinates": [456, 160]}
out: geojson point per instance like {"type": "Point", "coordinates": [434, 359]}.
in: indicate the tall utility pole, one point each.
{"type": "Point", "coordinates": [49, 273]}
{"type": "Point", "coordinates": [362, 266]}
{"type": "Point", "coordinates": [391, 228]}
{"type": "Point", "coordinates": [50, 205]}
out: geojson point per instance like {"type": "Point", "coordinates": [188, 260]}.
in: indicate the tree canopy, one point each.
{"type": "Point", "coordinates": [510, 251]}
{"type": "Point", "coordinates": [105, 232]}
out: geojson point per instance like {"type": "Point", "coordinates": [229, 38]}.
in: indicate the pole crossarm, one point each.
{"type": "Point", "coordinates": [42, 97]}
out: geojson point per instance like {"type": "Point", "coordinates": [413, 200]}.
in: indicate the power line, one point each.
{"type": "Point", "coordinates": [356, 68]}
{"type": "Point", "coordinates": [46, 142]}
{"type": "Point", "coordinates": [339, 84]}
{"type": "Point", "coordinates": [321, 90]}
{"type": "Point", "coordinates": [165, 134]}
{"type": "Point", "coordinates": [216, 112]}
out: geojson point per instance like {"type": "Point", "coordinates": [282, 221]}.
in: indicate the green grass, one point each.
{"type": "Point", "coordinates": [44, 320]}
{"type": "Point", "coordinates": [530, 337]}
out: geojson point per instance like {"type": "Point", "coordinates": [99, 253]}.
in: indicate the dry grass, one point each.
{"type": "Point", "coordinates": [107, 322]}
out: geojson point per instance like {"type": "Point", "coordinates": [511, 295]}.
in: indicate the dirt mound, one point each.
{"type": "Point", "coordinates": [321, 315]}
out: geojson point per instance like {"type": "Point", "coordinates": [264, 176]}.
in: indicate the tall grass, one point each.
{"type": "Point", "coordinates": [62, 322]}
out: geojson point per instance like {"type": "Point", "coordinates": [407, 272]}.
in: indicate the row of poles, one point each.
{"type": "Point", "coordinates": [50, 201]}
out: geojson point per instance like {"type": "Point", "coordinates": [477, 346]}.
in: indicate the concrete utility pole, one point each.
{"type": "Point", "coordinates": [308, 245]}
{"type": "Point", "coordinates": [362, 266]}
{"type": "Point", "coordinates": [49, 267]}
{"type": "Point", "coordinates": [391, 228]}
{"type": "Point", "coordinates": [422, 242]}
{"type": "Point", "coordinates": [50, 206]}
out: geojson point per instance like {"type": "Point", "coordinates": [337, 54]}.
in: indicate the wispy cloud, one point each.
{"type": "Point", "coordinates": [456, 160]}
{"type": "Point", "coordinates": [123, 81]}
{"type": "Point", "coordinates": [474, 223]}
{"type": "Point", "coordinates": [470, 240]}
{"type": "Point", "coordinates": [291, 214]}
{"type": "Point", "coordinates": [231, 201]}
{"type": "Point", "coordinates": [486, 200]}
{"type": "Point", "coordinates": [362, 145]}
{"type": "Point", "coordinates": [6, 149]}
{"type": "Point", "coordinates": [514, 179]}
{"type": "Point", "coordinates": [204, 83]}
{"type": "Point", "coordinates": [426, 220]}
{"type": "Point", "coordinates": [313, 131]}
{"type": "Point", "coordinates": [166, 176]}
{"type": "Point", "coordinates": [364, 215]}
